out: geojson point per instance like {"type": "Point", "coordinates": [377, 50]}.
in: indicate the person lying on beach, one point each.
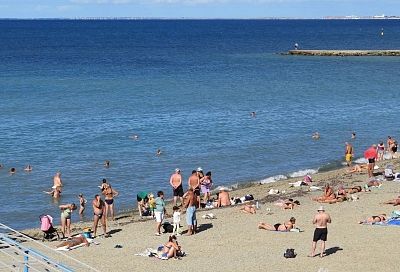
{"type": "Point", "coordinates": [372, 183]}
{"type": "Point", "coordinates": [74, 241]}
{"type": "Point", "coordinates": [353, 190]}
{"type": "Point", "coordinates": [170, 249]}
{"type": "Point", "coordinates": [341, 194]}
{"type": "Point", "coordinates": [328, 196]}
{"type": "Point", "coordinates": [358, 168]}
{"type": "Point", "coordinates": [287, 204]}
{"type": "Point", "coordinates": [287, 226]}
{"type": "Point", "coordinates": [394, 202]}
{"type": "Point", "coordinates": [374, 219]}
{"type": "Point", "coordinates": [248, 208]}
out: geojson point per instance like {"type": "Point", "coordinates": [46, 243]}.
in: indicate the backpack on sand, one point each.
{"type": "Point", "coordinates": [289, 253]}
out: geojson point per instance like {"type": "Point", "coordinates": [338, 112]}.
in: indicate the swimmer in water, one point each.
{"type": "Point", "coordinates": [28, 168]}
{"type": "Point", "coordinates": [315, 135]}
{"type": "Point", "coordinates": [107, 164]}
{"type": "Point", "coordinates": [353, 135]}
{"type": "Point", "coordinates": [253, 114]}
{"type": "Point", "coordinates": [158, 152]}
{"type": "Point", "coordinates": [134, 137]}
{"type": "Point", "coordinates": [12, 171]}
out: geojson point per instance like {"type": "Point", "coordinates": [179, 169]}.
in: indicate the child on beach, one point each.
{"type": "Point", "coordinates": [82, 203]}
{"type": "Point", "coordinates": [176, 220]}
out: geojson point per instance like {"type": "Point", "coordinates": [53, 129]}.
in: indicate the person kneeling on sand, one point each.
{"type": "Point", "coordinates": [74, 241]}
{"type": "Point", "coordinates": [170, 249]}
{"type": "Point", "coordinates": [328, 195]}
{"type": "Point", "coordinates": [394, 202]}
{"type": "Point", "coordinates": [374, 219]}
{"type": "Point", "coordinates": [248, 208]}
{"type": "Point", "coordinates": [223, 198]}
{"type": "Point", "coordinates": [287, 226]}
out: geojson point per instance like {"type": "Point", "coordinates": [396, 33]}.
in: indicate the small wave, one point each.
{"type": "Point", "coordinates": [273, 179]}
{"type": "Point", "coordinates": [302, 173]}
{"type": "Point", "coordinates": [361, 160]}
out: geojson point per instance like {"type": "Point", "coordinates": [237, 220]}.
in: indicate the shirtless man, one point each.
{"type": "Point", "coordinates": [349, 153]}
{"type": "Point", "coordinates": [190, 205]}
{"type": "Point", "coordinates": [176, 183]}
{"type": "Point", "coordinates": [321, 220]}
{"type": "Point", "coordinates": [74, 241]}
{"type": "Point", "coordinates": [328, 196]}
{"type": "Point", "coordinates": [223, 198]}
{"type": "Point", "coordinates": [57, 182]}
{"type": "Point", "coordinates": [194, 183]}
{"type": "Point", "coordinates": [99, 215]}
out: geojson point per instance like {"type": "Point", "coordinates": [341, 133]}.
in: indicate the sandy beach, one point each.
{"type": "Point", "coordinates": [232, 241]}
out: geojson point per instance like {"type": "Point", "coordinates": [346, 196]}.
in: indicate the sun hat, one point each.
{"type": "Point", "coordinates": [321, 208]}
{"type": "Point", "coordinates": [199, 169]}
{"type": "Point", "coordinates": [177, 170]}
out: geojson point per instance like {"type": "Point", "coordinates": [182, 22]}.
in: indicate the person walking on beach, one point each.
{"type": "Point", "coordinates": [99, 215]}
{"type": "Point", "coordinates": [321, 220]}
{"type": "Point", "coordinates": [176, 183]}
{"type": "Point", "coordinates": [190, 205]}
{"type": "Point", "coordinates": [66, 212]}
{"type": "Point", "coordinates": [194, 183]}
{"type": "Point", "coordinates": [371, 155]}
{"type": "Point", "coordinates": [159, 211]}
{"type": "Point", "coordinates": [349, 153]}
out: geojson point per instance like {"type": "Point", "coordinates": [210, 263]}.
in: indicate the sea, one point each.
{"type": "Point", "coordinates": [74, 92]}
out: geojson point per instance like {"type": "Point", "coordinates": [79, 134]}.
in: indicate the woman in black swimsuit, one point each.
{"type": "Point", "coordinates": [374, 219]}
{"type": "Point", "coordinates": [287, 226]}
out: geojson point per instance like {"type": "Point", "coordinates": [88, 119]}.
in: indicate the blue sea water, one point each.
{"type": "Point", "coordinates": [72, 92]}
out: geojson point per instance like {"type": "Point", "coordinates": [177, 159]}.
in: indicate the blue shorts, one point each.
{"type": "Point", "coordinates": [191, 216]}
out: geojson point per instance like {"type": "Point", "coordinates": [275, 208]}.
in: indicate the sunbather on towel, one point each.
{"type": "Point", "coordinates": [287, 204]}
{"type": "Point", "coordinates": [394, 202]}
{"type": "Point", "coordinates": [248, 208]}
{"type": "Point", "coordinates": [374, 219]}
{"type": "Point", "coordinates": [74, 241]}
{"type": "Point", "coordinates": [353, 190]}
{"type": "Point", "coordinates": [287, 226]}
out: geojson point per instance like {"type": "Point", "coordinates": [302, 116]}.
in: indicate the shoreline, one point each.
{"type": "Point", "coordinates": [129, 216]}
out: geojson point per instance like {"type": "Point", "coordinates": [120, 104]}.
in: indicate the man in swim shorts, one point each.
{"type": "Point", "coordinates": [176, 183]}
{"type": "Point", "coordinates": [371, 155]}
{"type": "Point", "coordinates": [190, 205]}
{"type": "Point", "coordinates": [349, 154]}
{"type": "Point", "coordinates": [321, 220]}
{"type": "Point", "coordinates": [99, 215]}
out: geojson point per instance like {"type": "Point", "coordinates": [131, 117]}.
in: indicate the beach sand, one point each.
{"type": "Point", "coordinates": [232, 241]}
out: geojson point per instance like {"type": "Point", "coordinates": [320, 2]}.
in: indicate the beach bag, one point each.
{"type": "Point", "coordinates": [46, 222]}
{"type": "Point", "coordinates": [168, 228]}
{"type": "Point", "coordinates": [248, 197]}
{"type": "Point", "coordinates": [389, 175]}
{"type": "Point", "coordinates": [289, 253]}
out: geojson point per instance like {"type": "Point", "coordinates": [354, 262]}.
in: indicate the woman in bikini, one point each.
{"type": "Point", "coordinates": [353, 190]}
{"type": "Point", "coordinates": [374, 219]}
{"type": "Point", "coordinates": [287, 226]}
{"type": "Point", "coordinates": [170, 249]}
{"type": "Point", "coordinates": [109, 194]}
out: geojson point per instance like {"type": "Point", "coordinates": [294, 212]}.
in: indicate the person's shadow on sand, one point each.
{"type": "Point", "coordinates": [201, 228]}
{"type": "Point", "coordinates": [332, 250]}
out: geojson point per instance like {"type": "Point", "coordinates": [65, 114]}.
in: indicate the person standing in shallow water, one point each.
{"type": "Point", "coordinates": [349, 153]}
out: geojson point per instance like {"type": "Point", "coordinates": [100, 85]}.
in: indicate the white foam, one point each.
{"type": "Point", "coordinates": [302, 173]}
{"type": "Point", "coordinates": [273, 179]}
{"type": "Point", "coordinates": [361, 160]}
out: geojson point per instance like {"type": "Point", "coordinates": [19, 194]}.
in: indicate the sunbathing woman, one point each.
{"type": "Point", "coordinates": [287, 204]}
{"type": "Point", "coordinates": [374, 219]}
{"type": "Point", "coordinates": [287, 226]}
{"type": "Point", "coordinates": [353, 190]}
{"type": "Point", "coordinates": [248, 208]}
{"type": "Point", "coordinates": [341, 194]}
{"type": "Point", "coordinates": [74, 241]}
{"type": "Point", "coordinates": [394, 202]}
{"type": "Point", "coordinates": [328, 196]}
{"type": "Point", "coordinates": [358, 168]}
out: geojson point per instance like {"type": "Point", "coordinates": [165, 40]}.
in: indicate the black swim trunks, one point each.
{"type": "Point", "coordinates": [197, 191]}
{"type": "Point", "coordinates": [109, 201]}
{"type": "Point", "coordinates": [178, 191]}
{"type": "Point", "coordinates": [320, 234]}
{"type": "Point", "coordinates": [371, 160]}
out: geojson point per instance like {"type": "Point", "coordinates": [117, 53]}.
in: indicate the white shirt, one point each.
{"type": "Point", "coordinates": [177, 217]}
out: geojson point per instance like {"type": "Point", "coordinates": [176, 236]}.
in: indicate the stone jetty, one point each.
{"type": "Point", "coordinates": [342, 53]}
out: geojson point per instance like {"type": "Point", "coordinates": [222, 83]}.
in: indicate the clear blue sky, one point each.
{"type": "Point", "coordinates": [195, 8]}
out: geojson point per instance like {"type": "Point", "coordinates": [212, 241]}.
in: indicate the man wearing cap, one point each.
{"type": "Point", "coordinates": [176, 183]}
{"type": "Point", "coordinates": [321, 220]}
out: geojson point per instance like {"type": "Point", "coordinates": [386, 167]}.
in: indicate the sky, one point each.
{"type": "Point", "coordinates": [195, 8]}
